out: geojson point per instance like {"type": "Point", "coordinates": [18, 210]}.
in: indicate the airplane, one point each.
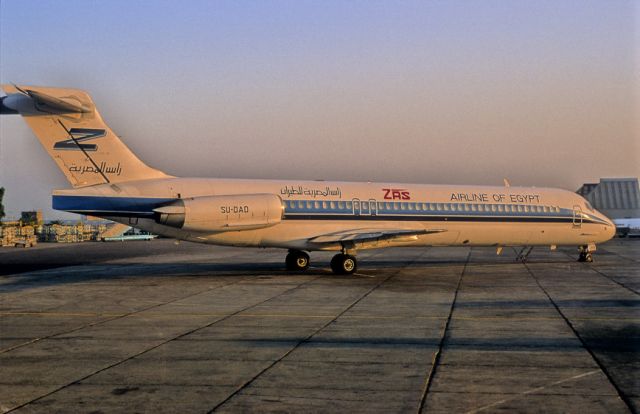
{"type": "Point", "coordinates": [109, 181]}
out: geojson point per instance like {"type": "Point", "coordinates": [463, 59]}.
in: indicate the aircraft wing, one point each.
{"type": "Point", "coordinates": [370, 235]}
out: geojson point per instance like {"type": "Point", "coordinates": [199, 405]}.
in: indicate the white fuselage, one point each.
{"type": "Point", "coordinates": [459, 215]}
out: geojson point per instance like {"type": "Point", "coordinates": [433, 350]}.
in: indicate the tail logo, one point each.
{"type": "Point", "coordinates": [79, 135]}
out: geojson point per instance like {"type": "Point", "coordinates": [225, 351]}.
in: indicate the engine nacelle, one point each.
{"type": "Point", "coordinates": [222, 213]}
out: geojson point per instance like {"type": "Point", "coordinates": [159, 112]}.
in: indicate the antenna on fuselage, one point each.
{"type": "Point", "coordinates": [506, 182]}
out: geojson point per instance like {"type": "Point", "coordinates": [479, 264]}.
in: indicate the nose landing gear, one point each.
{"type": "Point", "coordinates": [585, 254]}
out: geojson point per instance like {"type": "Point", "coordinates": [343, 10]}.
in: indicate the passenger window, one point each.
{"type": "Point", "coordinates": [333, 205]}
{"type": "Point", "coordinates": [466, 207]}
{"type": "Point", "coordinates": [316, 204]}
{"type": "Point", "coordinates": [410, 206]}
{"type": "Point", "coordinates": [526, 209]}
{"type": "Point", "coordinates": [500, 208]}
{"type": "Point", "coordinates": [349, 205]}
{"type": "Point", "coordinates": [341, 205]}
{"type": "Point", "coordinates": [454, 207]}
{"type": "Point", "coordinates": [519, 209]}
{"type": "Point", "coordinates": [493, 207]}
{"type": "Point", "coordinates": [473, 207]}
{"type": "Point", "coordinates": [308, 204]}
{"type": "Point", "coordinates": [446, 206]}
{"type": "Point", "coordinates": [324, 205]}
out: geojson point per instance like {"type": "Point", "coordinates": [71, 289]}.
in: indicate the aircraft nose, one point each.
{"type": "Point", "coordinates": [610, 229]}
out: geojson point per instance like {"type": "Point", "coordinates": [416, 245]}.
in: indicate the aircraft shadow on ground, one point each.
{"type": "Point", "coordinates": [23, 275]}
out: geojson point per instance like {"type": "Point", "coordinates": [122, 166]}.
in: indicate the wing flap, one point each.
{"type": "Point", "coordinates": [369, 235]}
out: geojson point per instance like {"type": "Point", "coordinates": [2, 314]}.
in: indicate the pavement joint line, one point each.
{"type": "Point", "coordinates": [596, 270]}
{"type": "Point", "coordinates": [308, 338]}
{"type": "Point", "coordinates": [532, 391]}
{"type": "Point", "coordinates": [621, 256]}
{"type": "Point", "coordinates": [601, 366]}
{"type": "Point", "coordinates": [302, 316]}
{"type": "Point", "coordinates": [116, 317]}
{"type": "Point", "coordinates": [436, 357]}
{"type": "Point", "coordinates": [160, 344]}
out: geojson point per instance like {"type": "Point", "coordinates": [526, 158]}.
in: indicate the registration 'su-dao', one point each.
{"type": "Point", "coordinates": [109, 181]}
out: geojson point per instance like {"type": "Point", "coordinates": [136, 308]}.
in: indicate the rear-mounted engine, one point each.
{"type": "Point", "coordinates": [222, 213]}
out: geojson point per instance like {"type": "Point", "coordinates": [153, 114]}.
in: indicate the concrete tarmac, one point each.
{"type": "Point", "coordinates": [159, 327]}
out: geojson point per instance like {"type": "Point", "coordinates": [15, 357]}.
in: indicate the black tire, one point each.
{"type": "Point", "coordinates": [344, 264]}
{"type": "Point", "coordinates": [335, 263]}
{"type": "Point", "coordinates": [297, 260]}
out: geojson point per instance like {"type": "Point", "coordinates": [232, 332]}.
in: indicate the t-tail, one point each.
{"type": "Point", "coordinates": [72, 131]}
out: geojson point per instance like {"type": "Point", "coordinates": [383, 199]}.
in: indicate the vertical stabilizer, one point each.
{"type": "Point", "coordinates": [72, 131]}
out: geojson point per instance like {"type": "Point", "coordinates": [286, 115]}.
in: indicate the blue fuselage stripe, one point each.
{"type": "Point", "coordinates": [106, 205]}
{"type": "Point", "coordinates": [144, 206]}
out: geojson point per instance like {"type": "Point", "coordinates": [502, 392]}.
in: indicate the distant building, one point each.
{"type": "Point", "coordinates": [33, 218]}
{"type": "Point", "coordinates": [618, 199]}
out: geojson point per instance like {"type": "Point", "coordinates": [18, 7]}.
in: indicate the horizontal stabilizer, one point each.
{"type": "Point", "coordinates": [48, 103]}
{"type": "Point", "coordinates": [30, 101]}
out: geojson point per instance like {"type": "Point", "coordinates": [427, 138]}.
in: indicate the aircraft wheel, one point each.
{"type": "Point", "coordinates": [297, 260]}
{"type": "Point", "coordinates": [588, 258]}
{"type": "Point", "coordinates": [344, 264]}
{"type": "Point", "coordinates": [582, 257]}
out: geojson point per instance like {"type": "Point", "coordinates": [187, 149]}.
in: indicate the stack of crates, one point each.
{"type": "Point", "coordinates": [13, 236]}
{"type": "Point", "coordinates": [75, 233]}
{"type": "Point", "coordinates": [26, 231]}
{"type": "Point", "coordinates": [8, 235]}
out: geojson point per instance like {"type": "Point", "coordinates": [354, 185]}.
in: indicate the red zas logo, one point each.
{"type": "Point", "coordinates": [396, 194]}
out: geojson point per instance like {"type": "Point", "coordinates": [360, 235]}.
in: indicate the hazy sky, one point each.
{"type": "Point", "coordinates": [545, 93]}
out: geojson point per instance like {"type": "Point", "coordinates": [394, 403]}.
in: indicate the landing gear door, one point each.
{"type": "Point", "coordinates": [577, 216]}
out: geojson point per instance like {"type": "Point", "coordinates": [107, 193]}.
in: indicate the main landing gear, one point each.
{"type": "Point", "coordinates": [297, 260]}
{"type": "Point", "coordinates": [342, 263]}
{"type": "Point", "coordinates": [585, 254]}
